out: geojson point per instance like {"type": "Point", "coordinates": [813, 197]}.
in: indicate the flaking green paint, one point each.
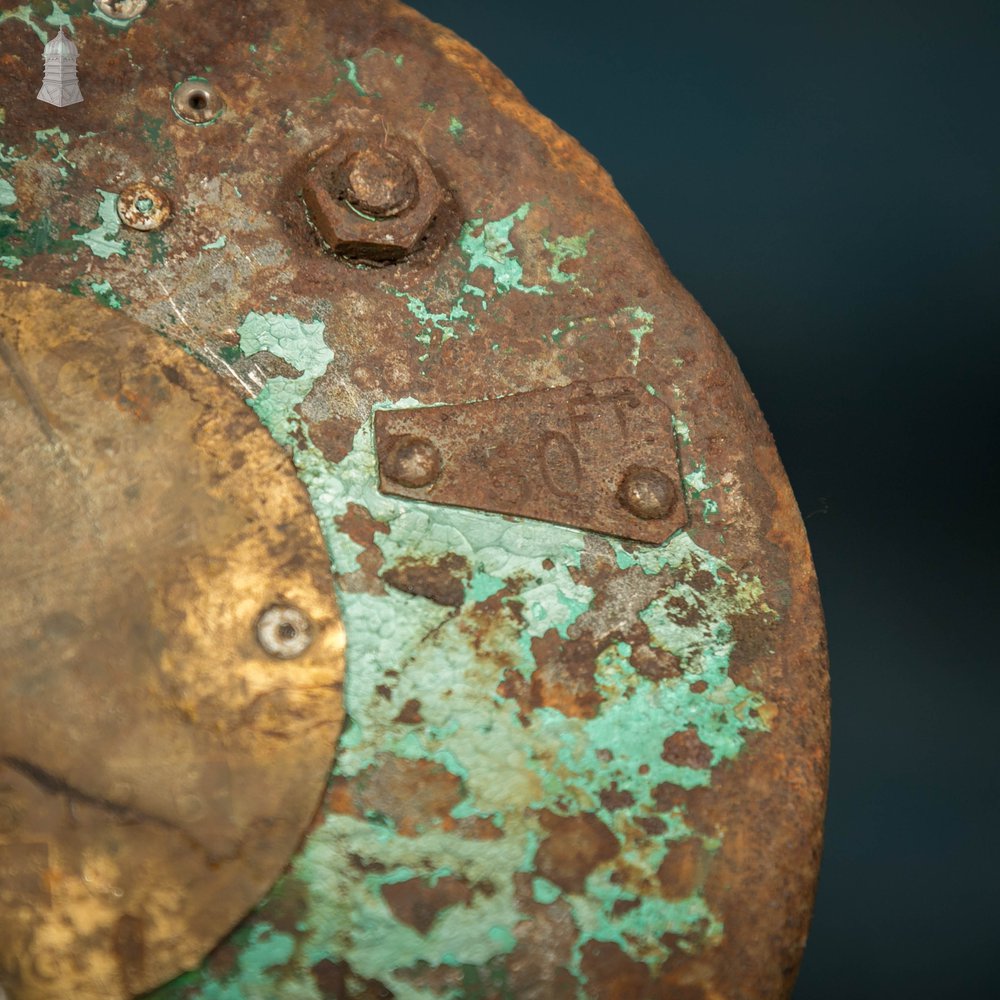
{"type": "Point", "coordinates": [216, 244]}
{"type": "Point", "coordinates": [506, 771]}
{"type": "Point", "coordinates": [100, 241]}
{"type": "Point", "coordinates": [487, 245]}
{"type": "Point", "coordinates": [450, 313]}
{"type": "Point", "coordinates": [640, 322]}
{"type": "Point", "coordinates": [26, 14]}
{"type": "Point", "coordinates": [565, 248]}
{"type": "Point", "coordinates": [105, 294]}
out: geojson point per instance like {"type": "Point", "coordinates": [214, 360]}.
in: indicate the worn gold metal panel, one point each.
{"type": "Point", "coordinates": [158, 762]}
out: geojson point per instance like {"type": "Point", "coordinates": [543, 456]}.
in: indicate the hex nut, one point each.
{"type": "Point", "coordinates": [372, 199]}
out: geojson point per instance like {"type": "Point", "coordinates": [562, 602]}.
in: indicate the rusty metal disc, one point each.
{"type": "Point", "coordinates": [589, 729]}
{"type": "Point", "coordinates": [158, 763]}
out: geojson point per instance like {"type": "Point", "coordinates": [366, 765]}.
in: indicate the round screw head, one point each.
{"type": "Point", "coordinates": [121, 10]}
{"type": "Point", "coordinates": [379, 183]}
{"type": "Point", "coordinates": [412, 461]}
{"type": "Point", "coordinates": [647, 493]}
{"type": "Point", "coordinates": [284, 632]}
{"type": "Point", "coordinates": [144, 207]}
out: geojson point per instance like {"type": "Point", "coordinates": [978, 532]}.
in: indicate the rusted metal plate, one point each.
{"type": "Point", "coordinates": [599, 456]}
{"type": "Point", "coordinates": [159, 761]}
{"type": "Point", "coordinates": [576, 766]}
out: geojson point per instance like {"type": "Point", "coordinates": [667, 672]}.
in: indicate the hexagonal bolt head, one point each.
{"type": "Point", "coordinates": [372, 199]}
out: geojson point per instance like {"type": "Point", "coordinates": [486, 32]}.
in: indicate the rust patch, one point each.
{"type": "Point", "coordinates": [683, 869]}
{"type": "Point", "coordinates": [685, 749]}
{"type": "Point", "coordinates": [338, 981]}
{"type": "Point", "coordinates": [419, 901]}
{"type": "Point", "coordinates": [564, 678]}
{"type": "Point", "coordinates": [442, 582]}
{"type": "Point", "coordinates": [573, 848]}
{"type": "Point", "coordinates": [612, 798]}
{"type": "Point", "coordinates": [612, 975]}
{"type": "Point", "coordinates": [409, 714]}
{"type": "Point", "coordinates": [415, 794]}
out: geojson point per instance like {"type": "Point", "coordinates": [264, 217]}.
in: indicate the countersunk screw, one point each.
{"type": "Point", "coordinates": [284, 632]}
{"type": "Point", "coordinates": [121, 10]}
{"type": "Point", "coordinates": [647, 493]}
{"type": "Point", "coordinates": [412, 461]}
{"type": "Point", "coordinates": [196, 101]}
{"type": "Point", "coordinates": [144, 207]}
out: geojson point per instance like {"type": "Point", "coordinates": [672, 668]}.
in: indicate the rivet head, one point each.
{"type": "Point", "coordinates": [379, 183]}
{"type": "Point", "coordinates": [144, 207]}
{"type": "Point", "coordinates": [284, 632]}
{"type": "Point", "coordinates": [412, 461]}
{"type": "Point", "coordinates": [121, 10]}
{"type": "Point", "coordinates": [647, 493]}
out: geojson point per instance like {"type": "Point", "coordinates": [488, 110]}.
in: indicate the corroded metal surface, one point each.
{"type": "Point", "coordinates": [157, 766]}
{"type": "Point", "coordinates": [589, 455]}
{"type": "Point", "coordinates": [575, 766]}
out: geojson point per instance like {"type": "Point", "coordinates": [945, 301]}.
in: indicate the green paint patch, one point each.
{"type": "Point", "coordinates": [348, 74]}
{"type": "Point", "coordinates": [60, 19]}
{"type": "Point", "coordinates": [104, 294]}
{"type": "Point", "coordinates": [473, 742]}
{"type": "Point", "coordinates": [55, 141]}
{"type": "Point", "coordinates": [487, 245]}
{"type": "Point", "coordinates": [640, 322]}
{"type": "Point", "coordinates": [11, 263]}
{"type": "Point", "coordinates": [7, 195]}
{"type": "Point", "coordinates": [456, 128]}
{"type": "Point", "coordinates": [100, 241]}
{"type": "Point", "coordinates": [217, 244]}
{"type": "Point", "coordinates": [157, 248]}
{"type": "Point", "coordinates": [26, 14]}
{"type": "Point", "coordinates": [447, 314]}
{"type": "Point", "coordinates": [563, 249]}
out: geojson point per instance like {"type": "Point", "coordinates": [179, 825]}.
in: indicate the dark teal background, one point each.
{"type": "Point", "coordinates": [824, 177]}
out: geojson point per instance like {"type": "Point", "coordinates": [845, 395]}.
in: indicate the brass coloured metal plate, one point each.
{"type": "Point", "coordinates": [162, 760]}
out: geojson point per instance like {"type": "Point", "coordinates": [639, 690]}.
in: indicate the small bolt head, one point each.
{"type": "Point", "coordinates": [412, 461]}
{"type": "Point", "coordinates": [284, 632]}
{"type": "Point", "coordinates": [647, 493]}
{"type": "Point", "coordinates": [379, 183]}
{"type": "Point", "coordinates": [144, 207]}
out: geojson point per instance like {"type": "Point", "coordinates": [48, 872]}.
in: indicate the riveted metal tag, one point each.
{"type": "Point", "coordinates": [594, 455]}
